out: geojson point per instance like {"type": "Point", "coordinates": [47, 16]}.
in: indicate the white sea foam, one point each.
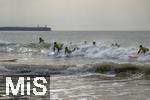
{"type": "Point", "coordinates": [101, 51]}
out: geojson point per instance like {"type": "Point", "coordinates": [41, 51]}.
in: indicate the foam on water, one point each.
{"type": "Point", "coordinates": [107, 52]}
{"type": "Point", "coordinates": [102, 51]}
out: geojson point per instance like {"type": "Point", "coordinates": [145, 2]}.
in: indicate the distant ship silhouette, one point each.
{"type": "Point", "coordinates": [25, 28]}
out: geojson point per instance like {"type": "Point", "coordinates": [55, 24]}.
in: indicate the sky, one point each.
{"type": "Point", "coordinates": [77, 14]}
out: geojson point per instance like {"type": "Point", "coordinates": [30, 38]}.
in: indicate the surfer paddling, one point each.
{"type": "Point", "coordinates": [68, 51]}
{"type": "Point", "coordinates": [41, 40]}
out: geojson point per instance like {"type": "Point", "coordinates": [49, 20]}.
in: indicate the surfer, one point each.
{"type": "Point", "coordinates": [94, 43]}
{"type": "Point", "coordinates": [142, 50]}
{"type": "Point", "coordinates": [57, 46]}
{"type": "Point", "coordinates": [68, 51]}
{"type": "Point", "coordinates": [85, 42]}
{"type": "Point", "coordinates": [41, 40]}
{"type": "Point", "coordinates": [115, 45]}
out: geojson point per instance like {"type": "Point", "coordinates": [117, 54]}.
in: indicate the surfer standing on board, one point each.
{"type": "Point", "coordinates": [142, 50]}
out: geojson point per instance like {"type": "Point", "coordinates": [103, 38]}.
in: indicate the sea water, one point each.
{"type": "Point", "coordinates": [91, 72]}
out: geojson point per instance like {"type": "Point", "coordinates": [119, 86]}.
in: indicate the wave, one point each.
{"type": "Point", "coordinates": [19, 48]}
{"type": "Point", "coordinates": [113, 69]}
{"type": "Point", "coordinates": [107, 52]}
{"type": "Point", "coordinates": [101, 51]}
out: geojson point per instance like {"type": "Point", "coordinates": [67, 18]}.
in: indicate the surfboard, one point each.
{"type": "Point", "coordinates": [133, 55]}
{"type": "Point", "coordinates": [8, 60]}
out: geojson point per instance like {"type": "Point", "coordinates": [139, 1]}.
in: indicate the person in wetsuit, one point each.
{"type": "Point", "coordinates": [143, 49]}
{"type": "Point", "coordinates": [57, 46]}
{"type": "Point", "coordinates": [41, 40]}
{"type": "Point", "coordinates": [94, 43]}
{"type": "Point", "coordinates": [68, 51]}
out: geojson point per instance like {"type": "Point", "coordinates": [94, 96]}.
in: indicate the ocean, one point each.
{"type": "Point", "coordinates": [91, 72]}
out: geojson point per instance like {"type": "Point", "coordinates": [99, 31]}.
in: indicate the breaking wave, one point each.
{"type": "Point", "coordinates": [101, 51]}
{"type": "Point", "coordinates": [108, 69]}
{"type": "Point", "coordinates": [15, 48]}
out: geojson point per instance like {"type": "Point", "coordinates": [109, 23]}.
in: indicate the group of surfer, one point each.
{"type": "Point", "coordinates": [57, 47]}
{"type": "Point", "coordinates": [115, 45]}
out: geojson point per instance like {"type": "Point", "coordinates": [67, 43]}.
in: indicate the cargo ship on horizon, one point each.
{"type": "Point", "coordinates": [25, 29]}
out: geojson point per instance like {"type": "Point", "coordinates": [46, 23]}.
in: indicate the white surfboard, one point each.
{"type": "Point", "coordinates": [8, 60]}
{"type": "Point", "coordinates": [133, 55]}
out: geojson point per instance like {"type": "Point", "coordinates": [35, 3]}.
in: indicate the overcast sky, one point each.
{"type": "Point", "coordinates": [77, 14]}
